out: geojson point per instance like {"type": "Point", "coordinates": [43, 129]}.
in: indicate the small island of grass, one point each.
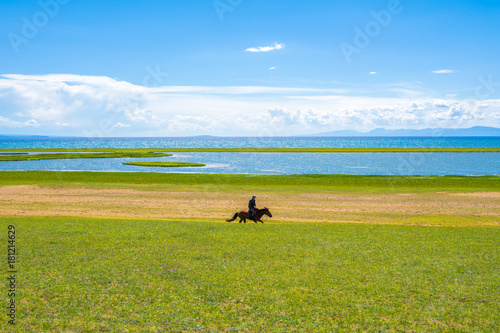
{"type": "Point", "coordinates": [166, 164]}
{"type": "Point", "coordinates": [119, 153]}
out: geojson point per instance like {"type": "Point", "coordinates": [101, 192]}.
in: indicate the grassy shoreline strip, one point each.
{"type": "Point", "coordinates": [333, 182]}
{"type": "Point", "coordinates": [114, 154]}
{"type": "Point", "coordinates": [166, 164]}
{"type": "Point", "coordinates": [258, 150]}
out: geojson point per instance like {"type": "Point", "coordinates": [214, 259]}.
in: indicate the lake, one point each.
{"type": "Point", "coordinates": [470, 164]}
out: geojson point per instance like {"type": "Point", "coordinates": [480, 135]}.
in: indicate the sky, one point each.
{"type": "Point", "coordinates": [246, 67]}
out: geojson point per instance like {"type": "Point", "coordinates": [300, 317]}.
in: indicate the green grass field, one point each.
{"type": "Point", "coordinates": [107, 275]}
{"type": "Point", "coordinates": [230, 181]}
{"type": "Point", "coordinates": [133, 274]}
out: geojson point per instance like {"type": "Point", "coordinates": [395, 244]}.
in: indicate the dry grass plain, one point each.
{"type": "Point", "coordinates": [212, 202]}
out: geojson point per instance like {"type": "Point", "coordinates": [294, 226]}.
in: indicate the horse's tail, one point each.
{"type": "Point", "coordinates": [234, 218]}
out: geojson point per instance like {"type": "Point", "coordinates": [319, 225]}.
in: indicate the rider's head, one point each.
{"type": "Point", "coordinates": [254, 196]}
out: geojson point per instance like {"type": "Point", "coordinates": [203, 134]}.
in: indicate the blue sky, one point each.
{"type": "Point", "coordinates": [174, 68]}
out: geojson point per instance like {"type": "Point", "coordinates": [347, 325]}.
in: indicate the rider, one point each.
{"type": "Point", "coordinates": [252, 207]}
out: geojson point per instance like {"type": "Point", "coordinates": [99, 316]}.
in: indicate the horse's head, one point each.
{"type": "Point", "coordinates": [267, 212]}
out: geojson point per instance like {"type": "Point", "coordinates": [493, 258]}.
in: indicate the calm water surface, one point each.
{"type": "Point", "coordinates": [255, 142]}
{"type": "Point", "coordinates": [472, 164]}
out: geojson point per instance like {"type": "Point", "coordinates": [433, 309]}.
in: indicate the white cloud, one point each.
{"type": "Point", "coordinates": [6, 122]}
{"type": "Point", "coordinates": [98, 106]}
{"type": "Point", "coordinates": [271, 68]}
{"type": "Point", "coordinates": [419, 114]}
{"type": "Point", "coordinates": [32, 123]}
{"type": "Point", "coordinates": [91, 103]}
{"type": "Point", "coordinates": [372, 73]}
{"type": "Point", "coordinates": [445, 71]}
{"type": "Point", "coordinates": [276, 46]}
{"type": "Point", "coordinates": [120, 125]}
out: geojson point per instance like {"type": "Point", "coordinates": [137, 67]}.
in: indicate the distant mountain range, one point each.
{"type": "Point", "coordinates": [472, 131]}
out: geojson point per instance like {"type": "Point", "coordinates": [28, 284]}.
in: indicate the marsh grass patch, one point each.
{"type": "Point", "coordinates": [165, 164]}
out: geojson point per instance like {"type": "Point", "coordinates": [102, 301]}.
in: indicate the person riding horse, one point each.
{"type": "Point", "coordinates": [252, 207]}
{"type": "Point", "coordinates": [252, 214]}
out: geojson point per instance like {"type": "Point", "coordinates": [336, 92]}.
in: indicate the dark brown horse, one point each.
{"type": "Point", "coordinates": [244, 215]}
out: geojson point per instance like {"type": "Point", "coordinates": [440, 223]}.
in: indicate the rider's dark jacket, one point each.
{"type": "Point", "coordinates": [251, 204]}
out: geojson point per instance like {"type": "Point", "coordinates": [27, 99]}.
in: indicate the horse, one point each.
{"type": "Point", "coordinates": [245, 214]}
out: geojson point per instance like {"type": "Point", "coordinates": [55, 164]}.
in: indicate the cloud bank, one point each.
{"type": "Point", "coordinates": [102, 106]}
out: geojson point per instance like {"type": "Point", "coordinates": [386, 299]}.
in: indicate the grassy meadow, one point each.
{"type": "Point", "coordinates": [346, 183]}
{"type": "Point", "coordinates": [119, 275]}
{"type": "Point", "coordinates": [122, 252]}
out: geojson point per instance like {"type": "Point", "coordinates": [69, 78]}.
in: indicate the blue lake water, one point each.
{"type": "Point", "coordinates": [472, 164]}
{"type": "Point", "coordinates": [286, 163]}
{"type": "Point", "coordinates": [254, 142]}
